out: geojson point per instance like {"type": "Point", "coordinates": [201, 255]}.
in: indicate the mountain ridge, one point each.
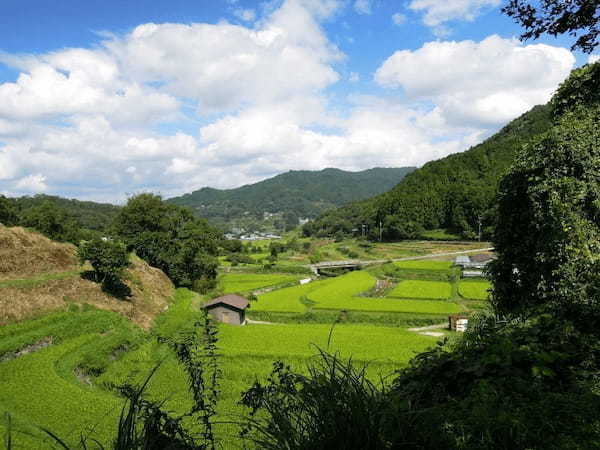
{"type": "Point", "coordinates": [456, 192]}
{"type": "Point", "coordinates": [296, 193]}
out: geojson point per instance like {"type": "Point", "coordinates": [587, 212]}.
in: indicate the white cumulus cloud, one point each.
{"type": "Point", "coordinates": [436, 12]}
{"type": "Point", "coordinates": [174, 107]}
{"type": "Point", "coordinates": [362, 6]}
{"type": "Point", "coordinates": [32, 183]}
{"type": "Point", "coordinates": [485, 83]}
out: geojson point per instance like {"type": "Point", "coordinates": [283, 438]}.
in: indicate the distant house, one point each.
{"type": "Point", "coordinates": [229, 308]}
{"type": "Point", "coordinates": [479, 261]}
{"type": "Point", "coordinates": [462, 261]}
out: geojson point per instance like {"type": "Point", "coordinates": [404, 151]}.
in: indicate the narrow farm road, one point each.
{"type": "Point", "coordinates": [358, 262]}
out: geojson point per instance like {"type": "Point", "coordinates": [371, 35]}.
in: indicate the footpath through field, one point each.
{"type": "Point", "coordinates": [358, 262]}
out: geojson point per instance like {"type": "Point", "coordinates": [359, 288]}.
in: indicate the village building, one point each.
{"type": "Point", "coordinates": [462, 261]}
{"type": "Point", "coordinates": [474, 266]}
{"type": "Point", "coordinates": [229, 308]}
{"type": "Point", "coordinates": [458, 323]}
{"type": "Point", "coordinates": [480, 261]}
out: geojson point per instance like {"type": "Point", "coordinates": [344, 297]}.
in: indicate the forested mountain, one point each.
{"type": "Point", "coordinates": [295, 194]}
{"type": "Point", "coordinates": [455, 192]}
{"type": "Point", "coordinates": [90, 215]}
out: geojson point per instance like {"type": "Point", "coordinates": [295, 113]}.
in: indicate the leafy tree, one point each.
{"type": "Point", "coordinates": [8, 212]}
{"type": "Point", "coordinates": [169, 237]}
{"type": "Point", "coordinates": [582, 88]}
{"type": "Point", "coordinates": [90, 215]}
{"type": "Point", "coordinates": [548, 234]}
{"type": "Point", "coordinates": [276, 247]}
{"type": "Point", "coordinates": [108, 258]}
{"type": "Point", "coordinates": [554, 17]}
{"type": "Point", "coordinates": [233, 246]}
{"type": "Point", "coordinates": [52, 221]}
{"type": "Point", "coordinates": [143, 213]}
{"type": "Point", "coordinates": [291, 220]}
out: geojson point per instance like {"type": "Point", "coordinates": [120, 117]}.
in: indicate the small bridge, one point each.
{"type": "Point", "coordinates": [351, 264]}
{"type": "Point", "coordinates": [358, 264]}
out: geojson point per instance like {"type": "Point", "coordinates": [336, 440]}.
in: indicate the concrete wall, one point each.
{"type": "Point", "coordinates": [226, 315]}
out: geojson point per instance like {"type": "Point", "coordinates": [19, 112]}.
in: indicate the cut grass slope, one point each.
{"type": "Point", "coordinates": [26, 254]}
{"type": "Point", "coordinates": [33, 281]}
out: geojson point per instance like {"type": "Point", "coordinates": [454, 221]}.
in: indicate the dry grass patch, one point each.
{"type": "Point", "coordinates": [25, 254]}
{"type": "Point", "coordinates": [151, 292]}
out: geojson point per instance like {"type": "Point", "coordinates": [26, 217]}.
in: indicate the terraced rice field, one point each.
{"type": "Point", "coordinates": [423, 264]}
{"type": "Point", "coordinates": [287, 299]}
{"type": "Point", "coordinates": [477, 290]}
{"type": "Point", "coordinates": [342, 293]}
{"type": "Point", "coordinates": [422, 289]}
{"type": "Point", "coordinates": [245, 282]}
{"type": "Point", "coordinates": [42, 388]}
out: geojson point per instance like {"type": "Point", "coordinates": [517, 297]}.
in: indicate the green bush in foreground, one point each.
{"type": "Point", "coordinates": [108, 258]}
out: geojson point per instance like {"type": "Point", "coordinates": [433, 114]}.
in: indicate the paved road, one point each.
{"type": "Point", "coordinates": [329, 264]}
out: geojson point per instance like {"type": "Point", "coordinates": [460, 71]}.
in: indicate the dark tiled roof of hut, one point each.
{"type": "Point", "coordinates": [482, 257]}
{"type": "Point", "coordinates": [230, 300]}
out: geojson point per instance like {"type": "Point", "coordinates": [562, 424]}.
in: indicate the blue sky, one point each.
{"type": "Point", "coordinates": [101, 99]}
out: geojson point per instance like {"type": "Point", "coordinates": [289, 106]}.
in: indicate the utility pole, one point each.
{"type": "Point", "coordinates": [479, 228]}
{"type": "Point", "coordinates": [380, 230]}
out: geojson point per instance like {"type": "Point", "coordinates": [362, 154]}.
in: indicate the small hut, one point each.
{"type": "Point", "coordinates": [458, 323]}
{"type": "Point", "coordinates": [229, 308]}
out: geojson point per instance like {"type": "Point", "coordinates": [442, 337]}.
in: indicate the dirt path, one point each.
{"type": "Point", "coordinates": [260, 322]}
{"type": "Point", "coordinates": [426, 330]}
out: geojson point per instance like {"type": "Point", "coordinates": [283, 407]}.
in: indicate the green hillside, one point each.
{"type": "Point", "coordinates": [451, 193]}
{"type": "Point", "coordinates": [90, 215]}
{"type": "Point", "coordinates": [294, 194]}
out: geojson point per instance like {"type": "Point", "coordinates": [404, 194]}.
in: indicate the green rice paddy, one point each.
{"type": "Point", "coordinates": [424, 264]}
{"type": "Point", "coordinates": [342, 293]}
{"type": "Point", "coordinates": [287, 299]}
{"type": "Point", "coordinates": [477, 290]}
{"type": "Point", "coordinates": [422, 289]}
{"type": "Point", "coordinates": [244, 282]}
{"type": "Point", "coordinates": [42, 388]}
{"type": "Point", "coordinates": [69, 386]}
